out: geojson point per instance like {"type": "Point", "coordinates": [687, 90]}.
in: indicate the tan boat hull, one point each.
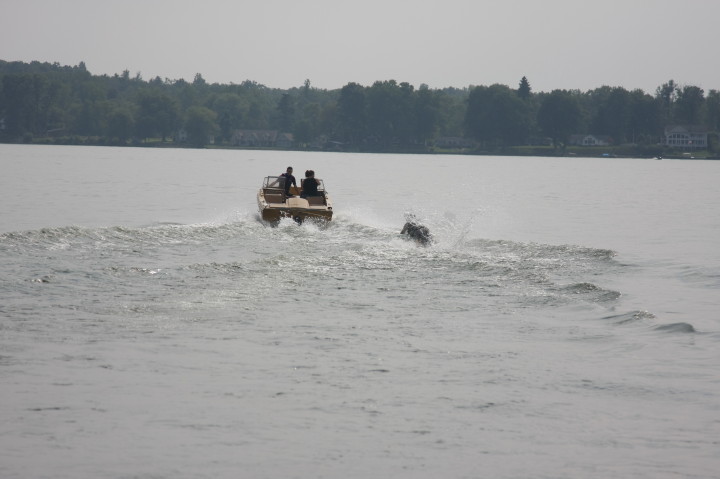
{"type": "Point", "coordinates": [273, 208]}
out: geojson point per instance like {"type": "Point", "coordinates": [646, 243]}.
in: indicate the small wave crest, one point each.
{"type": "Point", "coordinates": [66, 237]}
{"type": "Point", "coordinates": [676, 328]}
{"type": "Point", "coordinates": [705, 276]}
{"type": "Point", "coordinates": [538, 250]}
{"type": "Point", "coordinates": [630, 317]}
{"type": "Point", "coordinates": [591, 292]}
{"type": "Point", "coordinates": [648, 317]}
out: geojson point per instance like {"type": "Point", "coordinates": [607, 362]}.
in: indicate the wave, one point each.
{"type": "Point", "coordinates": [529, 251]}
{"type": "Point", "coordinates": [649, 319]}
{"type": "Point", "coordinates": [450, 236]}
{"type": "Point", "coordinates": [161, 233]}
{"type": "Point", "coordinates": [630, 317]}
{"type": "Point", "coordinates": [244, 250]}
{"type": "Point", "coordinates": [242, 258]}
{"type": "Point", "coordinates": [706, 276]}
{"type": "Point", "coordinates": [676, 328]}
{"type": "Point", "coordinates": [591, 292]}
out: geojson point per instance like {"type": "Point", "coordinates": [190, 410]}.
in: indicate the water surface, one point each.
{"type": "Point", "coordinates": [563, 324]}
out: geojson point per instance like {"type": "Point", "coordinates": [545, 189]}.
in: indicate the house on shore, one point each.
{"type": "Point", "coordinates": [686, 137]}
{"type": "Point", "coordinates": [590, 140]}
{"type": "Point", "coordinates": [181, 136]}
{"type": "Point", "coordinates": [262, 138]}
{"type": "Point", "coordinates": [453, 142]}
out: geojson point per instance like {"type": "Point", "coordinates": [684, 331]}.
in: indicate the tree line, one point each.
{"type": "Point", "coordinates": [42, 100]}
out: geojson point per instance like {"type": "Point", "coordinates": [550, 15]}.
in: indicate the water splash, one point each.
{"type": "Point", "coordinates": [235, 253]}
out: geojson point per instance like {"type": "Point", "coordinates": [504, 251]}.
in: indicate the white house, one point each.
{"type": "Point", "coordinates": [284, 140]}
{"type": "Point", "coordinates": [590, 140]}
{"type": "Point", "coordinates": [687, 137]}
{"type": "Point", "coordinates": [262, 138]}
{"type": "Point", "coordinates": [453, 142]}
{"type": "Point", "coordinates": [181, 136]}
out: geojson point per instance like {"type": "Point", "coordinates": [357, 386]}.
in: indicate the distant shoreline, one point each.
{"type": "Point", "coordinates": [627, 152]}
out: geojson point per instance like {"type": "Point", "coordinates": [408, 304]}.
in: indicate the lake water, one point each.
{"type": "Point", "coordinates": [564, 324]}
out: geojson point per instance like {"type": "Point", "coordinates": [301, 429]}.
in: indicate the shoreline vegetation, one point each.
{"type": "Point", "coordinates": [623, 151]}
{"type": "Point", "coordinates": [51, 104]}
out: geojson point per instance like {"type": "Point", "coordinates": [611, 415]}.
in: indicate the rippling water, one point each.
{"type": "Point", "coordinates": [562, 325]}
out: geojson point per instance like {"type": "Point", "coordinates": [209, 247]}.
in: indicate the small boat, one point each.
{"type": "Point", "coordinates": [274, 204]}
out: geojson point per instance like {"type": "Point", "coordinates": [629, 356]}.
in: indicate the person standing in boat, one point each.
{"type": "Point", "coordinates": [289, 179]}
{"type": "Point", "coordinates": [310, 185]}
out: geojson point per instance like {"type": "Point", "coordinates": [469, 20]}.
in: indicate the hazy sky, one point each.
{"type": "Point", "coordinates": [281, 43]}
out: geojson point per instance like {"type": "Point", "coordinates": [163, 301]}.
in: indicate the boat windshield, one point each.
{"type": "Point", "coordinates": [274, 182]}
{"type": "Point", "coordinates": [279, 182]}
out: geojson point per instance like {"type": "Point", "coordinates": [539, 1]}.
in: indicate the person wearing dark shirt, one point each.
{"type": "Point", "coordinates": [310, 185]}
{"type": "Point", "coordinates": [289, 179]}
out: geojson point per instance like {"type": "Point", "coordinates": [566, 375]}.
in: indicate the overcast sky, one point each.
{"type": "Point", "coordinates": [280, 43]}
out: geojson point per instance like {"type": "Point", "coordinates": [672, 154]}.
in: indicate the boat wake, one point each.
{"type": "Point", "coordinates": [240, 258]}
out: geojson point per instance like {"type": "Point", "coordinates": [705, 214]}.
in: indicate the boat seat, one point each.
{"type": "Point", "coordinates": [274, 197]}
{"type": "Point", "coordinates": [296, 202]}
{"type": "Point", "coordinates": [316, 200]}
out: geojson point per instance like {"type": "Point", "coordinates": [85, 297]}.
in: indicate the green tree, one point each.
{"type": "Point", "coordinates": [712, 113]}
{"type": "Point", "coordinates": [496, 116]}
{"type": "Point", "coordinates": [390, 112]}
{"type": "Point", "coordinates": [201, 125]}
{"type": "Point", "coordinates": [307, 128]}
{"type": "Point", "coordinates": [120, 124]}
{"type": "Point", "coordinates": [231, 110]}
{"type": "Point", "coordinates": [351, 113]}
{"type": "Point", "coordinates": [257, 116]}
{"type": "Point", "coordinates": [689, 104]}
{"type": "Point", "coordinates": [645, 123]}
{"type": "Point", "coordinates": [158, 114]}
{"type": "Point", "coordinates": [186, 94]}
{"type": "Point", "coordinates": [406, 122]}
{"type": "Point", "coordinates": [612, 113]}
{"type": "Point", "coordinates": [452, 107]}
{"type": "Point", "coordinates": [286, 111]}
{"type": "Point", "coordinates": [523, 90]}
{"type": "Point", "coordinates": [27, 100]}
{"type": "Point", "coordinates": [17, 104]}
{"type": "Point", "coordinates": [559, 116]}
{"type": "Point", "coordinates": [380, 114]}
{"type": "Point", "coordinates": [427, 114]}
{"type": "Point", "coordinates": [666, 95]}
{"type": "Point", "coordinates": [90, 107]}
{"type": "Point", "coordinates": [199, 81]}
